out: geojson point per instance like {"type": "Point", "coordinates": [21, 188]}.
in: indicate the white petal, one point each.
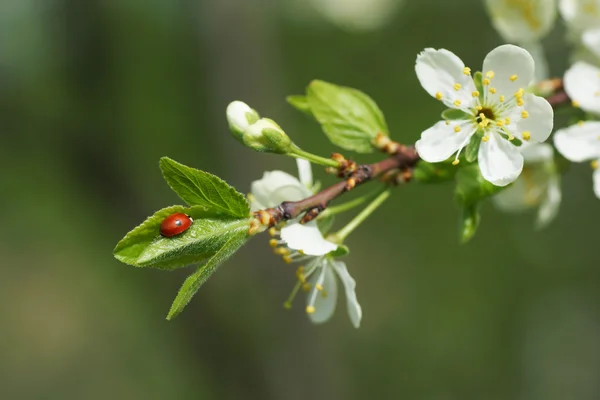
{"type": "Point", "coordinates": [276, 187]}
{"type": "Point", "coordinates": [354, 309]}
{"type": "Point", "coordinates": [308, 238]}
{"type": "Point", "coordinates": [438, 71]}
{"type": "Point", "coordinates": [579, 142]}
{"type": "Point", "coordinates": [514, 198]}
{"type": "Point", "coordinates": [591, 39]}
{"type": "Point", "coordinates": [305, 172]}
{"type": "Point", "coordinates": [580, 15]}
{"type": "Point", "coordinates": [500, 161]}
{"type": "Point", "coordinates": [549, 207]}
{"type": "Point", "coordinates": [597, 181]}
{"type": "Point", "coordinates": [441, 141]}
{"type": "Point", "coordinates": [537, 152]}
{"type": "Point", "coordinates": [504, 62]}
{"type": "Point", "coordinates": [323, 301]}
{"type": "Point", "coordinates": [522, 21]}
{"type": "Point", "coordinates": [239, 115]}
{"type": "Point", "coordinates": [540, 119]}
{"type": "Point", "coordinates": [582, 84]}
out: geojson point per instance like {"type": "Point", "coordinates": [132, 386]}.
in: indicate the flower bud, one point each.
{"type": "Point", "coordinates": [240, 116]}
{"type": "Point", "coordinates": [266, 136]}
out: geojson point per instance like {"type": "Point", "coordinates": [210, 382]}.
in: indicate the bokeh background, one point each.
{"type": "Point", "coordinates": [93, 93]}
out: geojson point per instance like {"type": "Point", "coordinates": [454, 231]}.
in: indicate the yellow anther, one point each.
{"type": "Point", "coordinates": [507, 120]}
{"type": "Point", "coordinates": [318, 286]}
{"type": "Point", "coordinates": [273, 242]}
{"type": "Point", "coordinates": [520, 102]}
{"type": "Point", "coordinates": [447, 122]}
{"type": "Point", "coordinates": [519, 93]}
{"type": "Point", "coordinates": [478, 108]}
{"type": "Point", "coordinates": [580, 123]}
{"type": "Point", "coordinates": [485, 138]}
{"type": "Point", "coordinates": [526, 135]}
{"type": "Point", "coordinates": [493, 90]}
{"type": "Point", "coordinates": [486, 82]}
{"type": "Point", "coordinates": [438, 95]}
{"type": "Point", "coordinates": [490, 74]}
{"type": "Point", "coordinates": [457, 86]}
{"type": "Point", "coordinates": [502, 99]}
{"type": "Point", "coordinates": [511, 137]}
{"type": "Point", "coordinates": [575, 103]}
{"type": "Point", "coordinates": [287, 259]}
{"type": "Point", "coordinates": [475, 94]}
{"type": "Point", "coordinates": [499, 123]}
{"type": "Point", "coordinates": [524, 114]}
{"type": "Point", "coordinates": [457, 129]}
{"type": "Point", "coordinates": [594, 164]}
{"type": "Point", "coordinates": [310, 309]}
{"type": "Point", "coordinates": [467, 71]}
{"type": "Point", "coordinates": [273, 231]}
{"type": "Point", "coordinates": [306, 287]}
{"type": "Point", "coordinates": [455, 162]}
{"type": "Point", "coordinates": [596, 93]}
{"type": "Point", "coordinates": [457, 103]}
{"type": "Point", "coordinates": [482, 116]}
{"type": "Point", "coordinates": [513, 78]}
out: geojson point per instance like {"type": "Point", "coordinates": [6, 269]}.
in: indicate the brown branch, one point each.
{"type": "Point", "coordinates": [403, 160]}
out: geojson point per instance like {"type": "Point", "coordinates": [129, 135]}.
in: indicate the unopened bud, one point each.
{"type": "Point", "coordinates": [240, 116]}
{"type": "Point", "coordinates": [266, 136]}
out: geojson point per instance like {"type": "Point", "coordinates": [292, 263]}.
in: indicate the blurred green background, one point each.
{"type": "Point", "coordinates": [93, 92]}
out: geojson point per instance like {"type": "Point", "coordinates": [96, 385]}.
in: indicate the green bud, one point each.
{"type": "Point", "coordinates": [240, 116]}
{"type": "Point", "coordinates": [266, 136]}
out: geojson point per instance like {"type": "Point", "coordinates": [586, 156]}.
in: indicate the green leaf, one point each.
{"type": "Point", "coordinates": [194, 281]}
{"type": "Point", "coordinates": [454, 114]}
{"type": "Point", "coordinates": [129, 249]}
{"type": "Point", "coordinates": [477, 78]}
{"type": "Point", "coordinates": [197, 187]}
{"type": "Point", "coordinates": [469, 221]}
{"type": "Point", "coordinates": [201, 241]}
{"type": "Point", "coordinates": [471, 187]}
{"type": "Point", "coordinates": [349, 118]}
{"type": "Point", "coordinates": [473, 147]}
{"type": "Point", "coordinates": [425, 172]}
{"type": "Point", "coordinates": [300, 103]}
{"type": "Point", "coordinates": [341, 251]}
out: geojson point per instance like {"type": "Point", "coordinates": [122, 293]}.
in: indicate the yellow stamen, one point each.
{"type": "Point", "coordinates": [575, 103]}
{"type": "Point", "coordinates": [502, 99]}
{"type": "Point", "coordinates": [580, 123]}
{"type": "Point", "coordinates": [457, 129]}
{"type": "Point", "coordinates": [457, 86]}
{"type": "Point", "coordinates": [438, 95]}
{"type": "Point", "coordinates": [306, 287]}
{"type": "Point", "coordinates": [524, 114]}
{"type": "Point", "coordinates": [282, 251]}
{"type": "Point", "coordinates": [594, 164]}
{"type": "Point", "coordinates": [319, 286]}
{"type": "Point", "coordinates": [526, 135]}
{"type": "Point", "coordinates": [499, 123]}
{"type": "Point", "coordinates": [475, 94]}
{"type": "Point", "coordinates": [478, 108]}
{"type": "Point", "coordinates": [455, 162]}
{"type": "Point", "coordinates": [467, 71]}
{"type": "Point", "coordinates": [513, 78]}
{"type": "Point", "coordinates": [273, 231]}
{"type": "Point", "coordinates": [507, 120]}
{"type": "Point", "coordinates": [457, 103]}
{"type": "Point", "coordinates": [493, 90]}
{"type": "Point", "coordinates": [486, 82]}
{"type": "Point", "coordinates": [520, 102]}
{"type": "Point", "coordinates": [485, 138]}
{"type": "Point", "coordinates": [511, 137]}
{"type": "Point", "coordinates": [490, 74]}
{"type": "Point", "coordinates": [310, 309]}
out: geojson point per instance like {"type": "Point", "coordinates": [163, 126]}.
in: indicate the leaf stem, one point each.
{"type": "Point", "coordinates": [343, 233]}
{"type": "Point", "coordinates": [313, 158]}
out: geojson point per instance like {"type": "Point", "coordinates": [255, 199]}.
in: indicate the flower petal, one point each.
{"type": "Point", "coordinates": [508, 68]}
{"type": "Point", "coordinates": [549, 207]}
{"type": "Point", "coordinates": [513, 199]}
{"type": "Point", "coordinates": [597, 182]}
{"type": "Point", "coordinates": [441, 141]}
{"type": "Point", "coordinates": [500, 161]}
{"type": "Point", "coordinates": [591, 40]}
{"type": "Point", "coordinates": [582, 84]}
{"type": "Point", "coordinates": [325, 300]}
{"type": "Point", "coordinates": [579, 142]}
{"type": "Point", "coordinates": [534, 153]}
{"type": "Point", "coordinates": [308, 238]}
{"type": "Point", "coordinates": [441, 74]}
{"type": "Point", "coordinates": [580, 15]}
{"type": "Point", "coordinates": [276, 187]}
{"type": "Point", "coordinates": [354, 309]}
{"type": "Point", "coordinates": [305, 172]}
{"type": "Point", "coordinates": [522, 21]}
{"type": "Point", "coordinates": [540, 118]}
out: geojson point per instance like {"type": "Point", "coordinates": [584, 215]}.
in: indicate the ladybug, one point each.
{"type": "Point", "coordinates": [175, 224]}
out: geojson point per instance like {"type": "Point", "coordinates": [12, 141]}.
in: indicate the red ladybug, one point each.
{"type": "Point", "coordinates": [175, 224]}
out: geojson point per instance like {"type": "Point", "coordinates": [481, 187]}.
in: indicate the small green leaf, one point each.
{"type": "Point", "coordinates": [425, 172]}
{"type": "Point", "coordinates": [473, 147]}
{"type": "Point", "coordinates": [300, 103]}
{"type": "Point", "coordinates": [194, 281]}
{"type": "Point", "coordinates": [349, 118]}
{"type": "Point", "coordinates": [129, 249]}
{"type": "Point", "coordinates": [201, 241]}
{"type": "Point", "coordinates": [453, 114]}
{"type": "Point", "coordinates": [469, 221]}
{"type": "Point", "coordinates": [471, 187]}
{"type": "Point", "coordinates": [197, 187]}
{"type": "Point", "coordinates": [477, 78]}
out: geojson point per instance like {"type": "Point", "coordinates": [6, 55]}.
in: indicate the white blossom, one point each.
{"type": "Point", "coordinates": [500, 109]}
{"type": "Point", "coordinates": [538, 185]}
{"type": "Point", "coordinates": [580, 15]}
{"type": "Point", "coordinates": [579, 143]}
{"type": "Point", "coordinates": [522, 21]}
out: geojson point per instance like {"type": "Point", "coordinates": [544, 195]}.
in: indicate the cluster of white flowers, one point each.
{"type": "Point", "coordinates": [304, 244]}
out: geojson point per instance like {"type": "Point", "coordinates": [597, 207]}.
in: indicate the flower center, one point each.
{"type": "Point", "coordinates": [487, 114]}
